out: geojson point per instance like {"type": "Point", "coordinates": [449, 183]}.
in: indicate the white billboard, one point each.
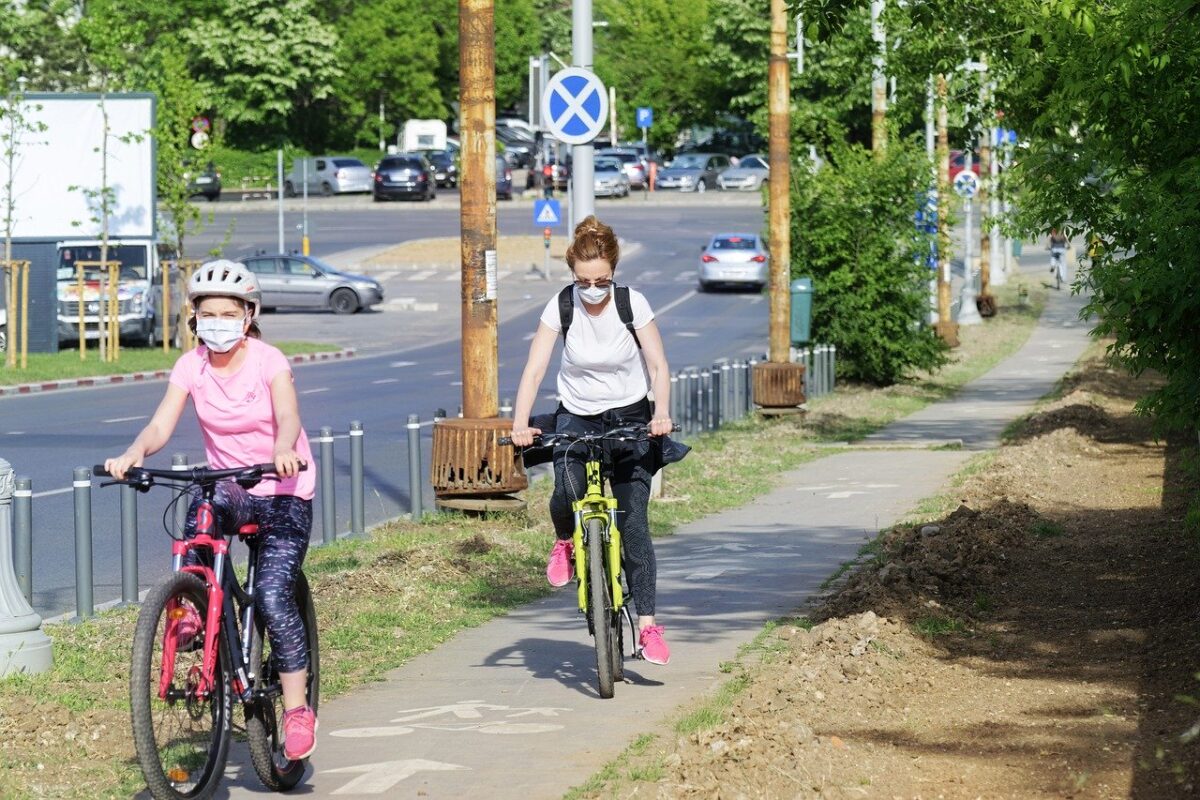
{"type": "Point", "coordinates": [58, 164]}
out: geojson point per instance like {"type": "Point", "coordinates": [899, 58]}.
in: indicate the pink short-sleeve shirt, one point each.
{"type": "Point", "coordinates": [236, 415]}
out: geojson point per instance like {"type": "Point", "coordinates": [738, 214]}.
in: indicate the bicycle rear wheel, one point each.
{"type": "Point", "coordinates": [264, 718]}
{"type": "Point", "coordinates": [182, 738]}
{"type": "Point", "coordinates": [600, 606]}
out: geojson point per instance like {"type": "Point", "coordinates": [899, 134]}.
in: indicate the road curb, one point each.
{"type": "Point", "coordinates": [148, 376]}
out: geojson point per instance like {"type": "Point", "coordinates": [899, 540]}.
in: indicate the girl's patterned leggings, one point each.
{"type": "Point", "coordinates": [284, 526]}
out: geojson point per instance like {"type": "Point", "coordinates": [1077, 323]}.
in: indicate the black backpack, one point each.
{"type": "Point", "coordinates": [566, 310]}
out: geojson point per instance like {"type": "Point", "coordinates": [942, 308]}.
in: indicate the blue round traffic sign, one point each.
{"type": "Point", "coordinates": [966, 184]}
{"type": "Point", "coordinates": [575, 105]}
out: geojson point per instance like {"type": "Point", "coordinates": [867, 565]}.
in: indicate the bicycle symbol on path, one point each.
{"type": "Point", "coordinates": [464, 716]}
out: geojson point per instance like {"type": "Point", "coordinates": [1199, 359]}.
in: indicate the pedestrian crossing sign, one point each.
{"type": "Point", "coordinates": [546, 212]}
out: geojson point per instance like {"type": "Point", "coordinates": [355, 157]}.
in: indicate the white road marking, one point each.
{"type": "Point", "coordinates": [386, 380]}
{"type": "Point", "coordinates": [318, 390]}
{"type": "Point", "coordinates": [403, 364]}
{"type": "Point", "coordinates": [456, 383]}
{"type": "Point", "coordinates": [422, 275]}
{"type": "Point", "coordinates": [841, 495]}
{"type": "Point", "coordinates": [387, 275]}
{"type": "Point", "coordinates": [684, 277]}
{"type": "Point", "coordinates": [52, 492]}
{"type": "Point", "coordinates": [650, 273]}
{"type": "Point", "coordinates": [14, 433]}
{"type": "Point", "coordinates": [705, 574]}
{"type": "Point", "coordinates": [453, 276]}
{"type": "Point", "coordinates": [676, 302]}
{"type": "Point", "coordinates": [440, 373]}
{"type": "Point", "coordinates": [125, 419]}
{"type": "Point", "coordinates": [383, 776]}
{"type": "Point", "coordinates": [688, 334]}
{"type": "Point", "coordinates": [528, 336]}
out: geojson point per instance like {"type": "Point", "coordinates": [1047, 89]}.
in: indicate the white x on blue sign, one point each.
{"type": "Point", "coordinates": [575, 105]}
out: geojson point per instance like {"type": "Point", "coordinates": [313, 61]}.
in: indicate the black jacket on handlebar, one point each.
{"type": "Point", "coordinates": [663, 449]}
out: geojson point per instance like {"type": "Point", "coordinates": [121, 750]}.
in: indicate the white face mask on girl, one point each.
{"type": "Point", "coordinates": [220, 335]}
{"type": "Point", "coordinates": [594, 294]}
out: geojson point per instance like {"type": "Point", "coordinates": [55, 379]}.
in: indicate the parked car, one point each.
{"type": "Point", "coordinates": [609, 178]}
{"type": "Point", "coordinates": [733, 259]}
{"type": "Point", "coordinates": [328, 175]}
{"type": "Point", "coordinates": [958, 162]}
{"type": "Point", "coordinates": [693, 172]}
{"type": "Point", "coordinates": [445, 169]}
{"type": "Point", "coordinates": [518, 146]}
{"type": "Point", "coordinates": [631, 163]}
{"type": "Point", "coordinates": [307, 282]}
{"type": "Point", "coordinates": [747, 176]}
{"type": "Point", "coordinates": [504, 183]}
{"type": "Point", "coordinates": [206, 182]}
{"type": "Point", "coordinates": [404, 175]}
{"type": "Point", "coordinates": [645, 152]}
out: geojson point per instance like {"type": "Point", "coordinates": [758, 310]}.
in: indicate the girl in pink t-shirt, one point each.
{"type": "Point", "coordinates": [246, 404]}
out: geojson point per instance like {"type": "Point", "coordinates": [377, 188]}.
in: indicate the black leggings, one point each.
{"type": "Point", "coordinates": [630, 480]}
{"type": "Point", "coordinates": [284, 526]}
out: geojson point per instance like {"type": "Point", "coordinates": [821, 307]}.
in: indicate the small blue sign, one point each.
{"type": "Point", "coordinates": [546, 213]}
{"type": "Point", "coordinates": [645, 117]}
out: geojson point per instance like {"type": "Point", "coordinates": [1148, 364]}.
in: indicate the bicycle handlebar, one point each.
{"type": "Point", "coordinates": [624, 434]}
{"type": "Point", "coordinates": [142, 478]}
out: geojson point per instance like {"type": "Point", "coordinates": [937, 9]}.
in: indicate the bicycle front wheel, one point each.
{"type": "Point", "coordinates": [600, 605]}
{"type": "Point", "coordinates": [264, 717]}
{"type": "Point", "coordinates": [180, 729]}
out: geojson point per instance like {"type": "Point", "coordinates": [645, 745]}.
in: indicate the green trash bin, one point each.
{"type": "Point", "coordinates": [802, 296]}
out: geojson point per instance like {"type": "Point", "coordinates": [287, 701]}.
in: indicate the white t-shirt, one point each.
{"type": "Point", "coordinates": [602, 367]}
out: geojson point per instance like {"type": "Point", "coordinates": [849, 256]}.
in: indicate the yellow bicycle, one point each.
{"type": "Point", "coordinates": [598, 556]}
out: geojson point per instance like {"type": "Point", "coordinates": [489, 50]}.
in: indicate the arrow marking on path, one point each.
{"type": "Point", "coordinates": [379, 778]}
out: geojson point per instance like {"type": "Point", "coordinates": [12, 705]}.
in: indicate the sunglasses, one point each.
{"type": "Point", "coordinates": [599, 283]}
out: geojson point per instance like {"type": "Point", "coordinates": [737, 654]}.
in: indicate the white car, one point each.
{"type": "Point", "coordinates": [609, 179]}
{"type": "Point", "coordinates": [747, 176]}
{"type": "Point", "coordinates": [733, 259]}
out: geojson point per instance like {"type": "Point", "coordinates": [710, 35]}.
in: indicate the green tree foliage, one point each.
{"type": "Point", "coordinates": [738, 45]}
{"type": "Point", "coordinates": [853, 234]}
{"type": "Point", "coordinates": [650, 52]}
{"type": "Point", "coordinates": [265, 64]}
{"type": "Point", "coordinates": [1106, 94]}
{"type": "Point", "coordinates": [518, 36]}
{"type": "Point", "coordinates": [40, 44]}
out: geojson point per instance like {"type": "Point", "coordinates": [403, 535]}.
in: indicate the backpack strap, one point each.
{"type": "Point", "coordinates": [566, 310]}
{"type": "Point", "coordinates": [625, 312]}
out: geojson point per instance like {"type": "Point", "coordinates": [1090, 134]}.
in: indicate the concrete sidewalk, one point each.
{"type": "Point", "coordinates": [510, 709]}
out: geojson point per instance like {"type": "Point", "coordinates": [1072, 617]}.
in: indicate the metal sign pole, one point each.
{"type": "Point", "coordinates": [583, 200]}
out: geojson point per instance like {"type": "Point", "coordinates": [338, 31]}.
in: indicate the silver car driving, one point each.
{"type": "Point", "coordinates": [306, 282]}
{"type": "Point", "coordinates": [733, 259]}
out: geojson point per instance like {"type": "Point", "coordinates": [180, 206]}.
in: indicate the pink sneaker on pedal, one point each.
{"type": "Point", "coordinates": [299, 733]}
{"type": "Point", "coordinates": [188, 627]}
{"type": "Point", "coordinates": [560, 567]}
{"type": "Point", "coordinates": [653, 648]}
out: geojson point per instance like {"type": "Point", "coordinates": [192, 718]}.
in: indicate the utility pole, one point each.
{"type": "Point", "coordinates": [946, 327]}
{"type": "Point", "coordinates": [779, 384]}
{"type": "Point", "coordinates": [986, 301]}
{"type": "Point", "coordinates": [879, 84]}
{"type": "Point", "coordinates": [583, 200]}
{"type": "Point", "coordinates": [477, 52]}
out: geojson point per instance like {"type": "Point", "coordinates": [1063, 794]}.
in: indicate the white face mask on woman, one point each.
{"type": "Point", "coordinates": [220, 335]}
{"type": "Point", "coordinates": [594, 294]}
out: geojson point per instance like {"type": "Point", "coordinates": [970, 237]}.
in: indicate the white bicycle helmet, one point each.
{"type": "Point", "coordinates": [224, 278]}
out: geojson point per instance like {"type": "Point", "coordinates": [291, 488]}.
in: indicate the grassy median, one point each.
{"type": "Point", "coordinates": [407, 587]}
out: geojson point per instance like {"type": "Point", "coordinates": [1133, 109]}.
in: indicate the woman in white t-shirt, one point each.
{"type": "Point", "coordinates": [603, 382]}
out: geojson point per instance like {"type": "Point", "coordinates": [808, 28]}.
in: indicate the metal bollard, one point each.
{"type": "Point", "coordinates": [714, 394]}
{"type": "Point", "coordinates": [23, 536]}
{"type": "Point", "coordinates": [129, 545]}
{"type": "Point", "coordinates": [832, 366]}
{"type": "Point", "coordinates": [328, 501]}
{"type": "Point", "coordinates": [727, 410]}
{"type": "Point", "coordinates": [439, 415]}
{"type": "Point", "coordinates": [706, 400]}
{"type": "Point", "coordinates": [750, 384]}
{"type": "Point", "coordinates": [824, 369]}
{"type": "Point", "coordinates": [738, 375]}
{"type": "Point", "coordinates": [179, 462]}
{"type": "Point", "coordinates": [85, 606]}
{"type": "Point", "coordinates": [357, 492]}
{"type": "Point", "coordinates": [674, 405]}
{"type": "Point", "coordinates": [414, 465]}
{"type": "Point", "coordinates": [806, 360]}
{"type": "Point", "coordinates": [506, 408]}
{"type": "Point", "coordinates": [819, 369]}
{"type": "Point", "coordinates": [693, 401]}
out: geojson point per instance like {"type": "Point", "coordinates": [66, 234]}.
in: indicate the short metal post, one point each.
{"type": "Point", "coordinates": [328, 501]}
{"type": "Point", "coordinates": [706, 400]}
{"type": "Point", "coordinates": [738, 376]}
{"type": "Point", "coordinates": [357, 492]}
{"type": "Point", "coordinates": [714, 383]}
{"type": "Point", "coordinates": [85, 606]}
{"type": "Point", "coordinates": [506, 408]}
{"type": "Point", "coordinates": [414, 465]}
{"type": "Point", "coordinates": [439, 415]}
{"type": "Point", "coordinates": [832, 366]}
{"type": "Point", "coordinates": [129, 545]}
{"type": "Point", "coordinates": [750, 384]}
{"type": "Point", "coordinates": [179, 463]}
{"type": "Point", "coordinates": [727, 407]}
{"type": "Point", "coordinates": [806, 361]}
{"type": "Point", "coordinates": [818, 370]}
{"type": "Point", "coordinates": [694, 425]}
{"type": "Point", "coordinates": [825, 369]}
{"type": "Point", "coordinates": [23, 536]}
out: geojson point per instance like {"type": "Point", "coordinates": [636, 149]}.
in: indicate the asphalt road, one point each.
{"type": "Point", "coordinates": [411, 364]}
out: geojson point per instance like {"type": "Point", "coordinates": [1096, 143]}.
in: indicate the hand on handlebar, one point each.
{"type": "Point", "coordinates": [287, 462]}
{"type": "Point", "coordinates": [117, 467]}
{"type": "Point", "coordinates": [661, 426]}
{"type": "Point", "coordinates": [523, 437]}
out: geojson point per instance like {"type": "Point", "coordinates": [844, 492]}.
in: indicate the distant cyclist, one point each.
{"type": "Point", "coordinates": [609, 366]}
{"type": "Point", "coordinates": [1058, 256]}
{"type": "Point", "coordinates": [246, 404]}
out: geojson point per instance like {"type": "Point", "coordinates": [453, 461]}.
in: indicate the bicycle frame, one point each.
{"type": "Point", "coordinates": [595, 504]}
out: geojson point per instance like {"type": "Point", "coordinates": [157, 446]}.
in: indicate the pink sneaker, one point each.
{"type": "Point", "coordinates": [560, 566]}
{"type": "Point", "coordinates": [188, 627]}
{"type": "Point", "coordinates": [299, 733]}
{"type": "Point", "coordinates": [653, 648]}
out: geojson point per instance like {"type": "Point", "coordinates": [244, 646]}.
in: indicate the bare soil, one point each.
{"type": "Point", "coordinates": [1039, 641]}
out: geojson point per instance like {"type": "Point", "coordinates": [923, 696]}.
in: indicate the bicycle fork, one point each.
{"type": "Point", "coordinates": [596, 505]}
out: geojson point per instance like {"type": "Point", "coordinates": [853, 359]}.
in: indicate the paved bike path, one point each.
{"type": "Point", "coordinates": [510, 709]}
